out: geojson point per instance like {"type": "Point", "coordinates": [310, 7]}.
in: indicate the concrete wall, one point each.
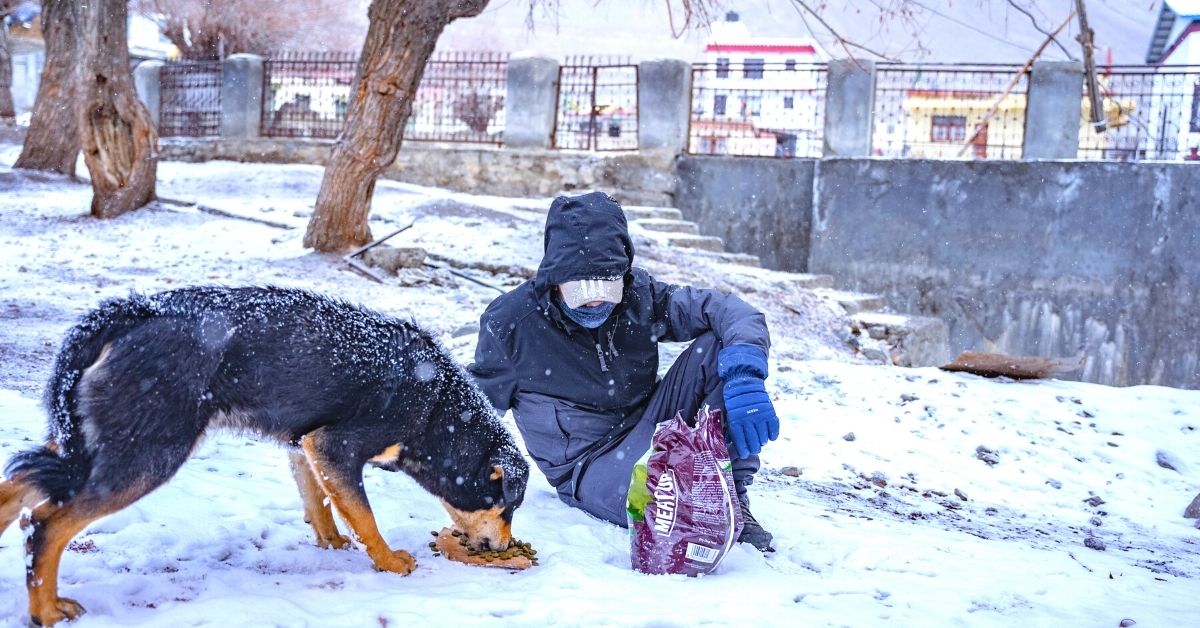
{"type": "Point", "coordinates": [634, 179]}
{"type": "Point", "coordinates": [758, 206]}
{"type": "Point", "coordinates": [1027, 258]}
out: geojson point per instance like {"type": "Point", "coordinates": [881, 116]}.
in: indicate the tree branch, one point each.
{"type": "Point", "coordinates": [843, 41]}
{"type": "Point", "coordinates": [1013, 83]}
{"type": "Point", "coordinates": [1038, 27]}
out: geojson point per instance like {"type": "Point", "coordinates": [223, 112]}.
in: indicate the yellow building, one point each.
{"type": "Point", "coordinates": [948, 124]}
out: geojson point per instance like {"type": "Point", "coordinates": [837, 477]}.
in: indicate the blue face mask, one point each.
{"type": "Point", "coordinates": [589, 317]}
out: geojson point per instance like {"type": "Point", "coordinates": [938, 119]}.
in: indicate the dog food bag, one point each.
{"type": "Point", "coordinates": [682, 505]}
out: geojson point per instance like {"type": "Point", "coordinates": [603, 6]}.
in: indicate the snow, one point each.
{"type": "Point", "coordinates": [894, 518]}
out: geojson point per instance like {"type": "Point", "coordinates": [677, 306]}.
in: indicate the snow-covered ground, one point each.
{"type": "Point", "coordinates": [917, 498]}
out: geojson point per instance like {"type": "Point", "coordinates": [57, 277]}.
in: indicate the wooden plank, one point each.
{"type": "Point", "coordinates": [1014, 366]}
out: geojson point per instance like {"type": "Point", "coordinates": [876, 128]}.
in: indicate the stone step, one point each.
{"type": "Point", "coordinates": [852, 302]}
{"type": "Point", "coordinates": [642, 212]}
{"type": "Point", "coordinates": [914, 340]}
{"type": "Point", "coordinates": [669, 226]}
{"type": "Point", "coordinates": [810, 281]}
{"type": "Point", "coordinates": [740, 259]}
{"type": "Point", "coordinates": [699, 242]}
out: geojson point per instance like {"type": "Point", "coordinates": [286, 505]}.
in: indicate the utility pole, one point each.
{"type": "Point", "coordinates": [1085, 38]}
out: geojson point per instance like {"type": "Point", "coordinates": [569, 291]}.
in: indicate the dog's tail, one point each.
{"type": "Point", "coordinates": [62, 467]}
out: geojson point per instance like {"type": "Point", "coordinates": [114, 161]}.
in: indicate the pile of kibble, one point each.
{"type": "Point", "coordinates": [515, 549]}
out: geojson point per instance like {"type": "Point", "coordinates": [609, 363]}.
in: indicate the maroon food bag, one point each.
{"type": "Point", "coordinates": [682, 506]}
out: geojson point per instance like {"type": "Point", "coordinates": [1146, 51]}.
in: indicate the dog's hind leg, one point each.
{"type": "Point", "coordinates": [15, 497]}
{"type": "Point", "coordinates": [316, 508]}
{"type": "Point", "coordinates": [341, 478]}
{"type": "Point", "coordinates": [48, 529]}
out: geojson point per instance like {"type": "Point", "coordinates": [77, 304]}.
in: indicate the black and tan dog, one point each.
{"type": "Point", "coordinates": [139, 380]}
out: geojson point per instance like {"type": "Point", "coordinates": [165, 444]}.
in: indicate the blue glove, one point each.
{"type": "Point", "coordinates": [750, 415]}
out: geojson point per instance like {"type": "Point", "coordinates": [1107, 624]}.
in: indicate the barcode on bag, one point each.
{"type": "Point", "coordinates": [701, 553]}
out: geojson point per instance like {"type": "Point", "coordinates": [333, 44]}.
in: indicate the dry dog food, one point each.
{"type": "Point", "coordinates": [454, 545]}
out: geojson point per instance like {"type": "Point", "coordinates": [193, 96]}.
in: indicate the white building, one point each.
{"type": "Point", "coordinates": [1176, 42]}
{"type": "Point", "coordinates": [756, 95]}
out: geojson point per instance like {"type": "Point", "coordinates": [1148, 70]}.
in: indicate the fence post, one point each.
{"type": "Point", "coordinates": [664, 97]}
{"type": "Point", "coordinates": [531, 101]}
{"type": "Point", "coordinates": [849, 108]}
{"type": "Point", "coordinates": [241, 95]}
{"type": "Point", "coordinates": [147, 82]}
{"type": "Point", "coordinates": [1053, 110]}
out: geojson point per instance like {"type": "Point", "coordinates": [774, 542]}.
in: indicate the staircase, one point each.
{"type": "Point", "coordinates": [1162, 33]}
{"type": "Point", "coordinates": [878, 335]}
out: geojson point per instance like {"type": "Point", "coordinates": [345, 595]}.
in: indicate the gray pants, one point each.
{"type": "Point", "coordinates": [601, 487]}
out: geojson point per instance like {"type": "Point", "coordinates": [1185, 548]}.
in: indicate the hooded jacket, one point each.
{"type": "Point", "coordinates": [575, 390]}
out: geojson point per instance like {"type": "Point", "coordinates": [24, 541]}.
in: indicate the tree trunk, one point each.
{"type": "Point", "coordinates": [117, 136]}
{"type": "Point", "coordinates": [52, 142]}
{"type": "Point", "coordinates": [400, 39]}
{"type": "Point", "coordinates": [7, 110]}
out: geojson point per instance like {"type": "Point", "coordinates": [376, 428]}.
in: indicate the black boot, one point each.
{"type": "Point", "coordinates": [753, 532]}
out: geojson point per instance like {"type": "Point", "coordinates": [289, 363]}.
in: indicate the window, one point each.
{"type": "Point", "coordinates": [719, 105]}
{"type": "Point", "coordinates": [753, 69]}
{"type": "Point", "coordinates": [789, 102]}
{"type": "Point", "coordinates": [722, 67]}
{"type": "Point", "coordinates": [752, 105]}
{"type": "Point", "coordinates": [789, 64]}
{"type": "Point", "coordinates": [948, 129]}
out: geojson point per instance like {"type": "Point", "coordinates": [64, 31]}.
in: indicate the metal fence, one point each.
{"type": "Point", "coordinates": [461, 99]}
{"type": "Point", "coordinates": [1151, 113]}
{"type": "Point", "coordinates": [949, 111]}
{"type": "Point", "coordinates": [597, 104]}
{"type": "Point", "coordinates": [307, 94]}
{"type": "Point", "coordinates": [190, 99]}
{"type": "Point", "coordinates": [757, 109]}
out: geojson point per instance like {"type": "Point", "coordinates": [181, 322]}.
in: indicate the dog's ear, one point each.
{"type": "Point", "coordinates": [511, 470]}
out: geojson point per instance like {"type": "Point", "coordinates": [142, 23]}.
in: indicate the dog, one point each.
{"type": "Point", "coordinates": [139, 381]}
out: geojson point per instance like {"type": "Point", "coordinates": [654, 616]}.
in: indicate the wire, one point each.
{"type": "Point", "coordinates": [968, 26]}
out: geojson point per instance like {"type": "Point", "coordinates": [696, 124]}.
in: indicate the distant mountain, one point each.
{"type": "Point", "coordinates": [983, 31]}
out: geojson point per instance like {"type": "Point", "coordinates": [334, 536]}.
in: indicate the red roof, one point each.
{"type": "Point", "coordinates": [778, 48]}
{"type": "Point", "coordinates": [1192, 28]}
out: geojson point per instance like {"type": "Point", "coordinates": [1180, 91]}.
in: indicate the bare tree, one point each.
{"type": "Point", "coordinates": [215, 29]}
{"type": "Point", "coordinates": [7, 110]}
{"type": "Point", "coordinates": [117, 134]}
{"type": "Point", "coordinates": [400, 39]}
{"type": "Point", "coordinates": [52, 142]}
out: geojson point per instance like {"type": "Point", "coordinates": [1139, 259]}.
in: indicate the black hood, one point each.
{"type": "Point", "coordinates": [587, 237]}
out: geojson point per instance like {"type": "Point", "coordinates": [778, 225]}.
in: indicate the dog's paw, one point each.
{"type": "Point", "coordinates": [398, 561]}
{"type": "Point", "coordinates": [62, 608]}
{"type": "Point", "coordinates": [335, 541]}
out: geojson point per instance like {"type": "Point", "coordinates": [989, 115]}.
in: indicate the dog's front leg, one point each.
{"type": "Point", "coordinates": [342, 482]}
{"type": "Point", "coordinates": [316, 508]}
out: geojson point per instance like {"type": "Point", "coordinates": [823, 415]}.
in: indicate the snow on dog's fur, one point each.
{"type": "Point", "coordinates": [139, 380]}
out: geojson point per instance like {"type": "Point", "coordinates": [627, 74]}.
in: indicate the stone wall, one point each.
{"type": "Point", "coordinates": [633, 178]}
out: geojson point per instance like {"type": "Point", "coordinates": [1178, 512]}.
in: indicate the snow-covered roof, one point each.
{"type": "Point", "coordinates": [1185, 8]}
